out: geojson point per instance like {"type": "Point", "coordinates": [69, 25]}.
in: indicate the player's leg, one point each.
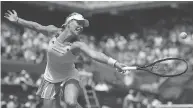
{"type": "Point", "coordinates": [50, 94]}
{"type": "Point", "coordinates": [53, 103]}
{"type": "Point", "coordinates": [71, 93]}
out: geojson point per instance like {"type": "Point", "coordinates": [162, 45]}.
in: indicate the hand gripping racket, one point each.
{"type": "Point", "coordinates": [168, 67]}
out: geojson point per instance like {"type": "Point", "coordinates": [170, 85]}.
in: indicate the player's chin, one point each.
{"type": "Point", "coordinates": [77, 32]}
{"type": "Point", "coordinates": [74, 33]}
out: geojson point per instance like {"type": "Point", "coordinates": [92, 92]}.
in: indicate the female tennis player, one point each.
{"type": "Point", "coordinates": [60, 79]}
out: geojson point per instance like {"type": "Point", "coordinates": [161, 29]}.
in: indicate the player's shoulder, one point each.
{"type": "Point", "coordinates": [52, 27]}
{"type": "Point", "coordinates": [53, 30]}
{"type": "Point", "coordinates": [78, 44]}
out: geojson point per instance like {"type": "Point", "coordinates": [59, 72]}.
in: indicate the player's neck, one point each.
{"type": "Point", "coordinates": [66, 36]}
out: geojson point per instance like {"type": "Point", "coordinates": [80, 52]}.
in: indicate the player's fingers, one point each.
{"type": "Point", "coordinates": [122, 72]}
{"type": "Point", "coordinates": [9, 12]}
{"type": "Point", "coordinates": [14, 12]}
{"type": "Point", "coordinates": [123, 65]}
{"type": "Point", "coordinates": [6, 14]}
{"type": "Point", "coordinates": [6, 17]}
{"type": "Point", "coordinates": [127, 72]}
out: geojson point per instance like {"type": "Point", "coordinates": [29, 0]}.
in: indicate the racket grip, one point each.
{"type": "Point", "coordinates": [130, 68]}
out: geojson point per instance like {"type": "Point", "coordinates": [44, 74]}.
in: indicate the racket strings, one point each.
{"type": "Point", "coordinates": [160, 68]}
{"type": "Point", "coordinates": [169, 67]}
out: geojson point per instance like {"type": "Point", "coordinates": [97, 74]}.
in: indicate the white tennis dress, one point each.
{"type": "Point", "coordinates": [60, 62]}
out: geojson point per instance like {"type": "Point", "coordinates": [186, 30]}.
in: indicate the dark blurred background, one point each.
{"type": "Point", "coordinates": [134, 32]}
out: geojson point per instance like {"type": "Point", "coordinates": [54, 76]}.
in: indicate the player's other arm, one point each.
{"type": "Point", "coordinates": [98, 56]}
{"type": "Point", "coordinates": [125, 102]}
{"type": "Point", "coordinates": [46, 30]}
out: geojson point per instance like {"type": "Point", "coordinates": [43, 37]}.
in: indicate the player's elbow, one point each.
{"type": "Point", "coordinates": [85, 49]}
{"type": "Point", "coordinates": [93, 55]}
{"type": "Point", "coordinates": [37, 27]}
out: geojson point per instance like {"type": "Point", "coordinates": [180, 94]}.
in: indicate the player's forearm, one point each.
{"type": "Point", "coordinates": [98, 56]}
{"type": "Point", "coordinates": [102, 58]}
{"type": "Point", "coordinates": [29, 24]}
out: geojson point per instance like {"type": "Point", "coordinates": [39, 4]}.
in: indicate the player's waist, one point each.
{"type": "Point", "coordinates": [60, 67]}
{"type": "Point", "coordinates": [58, 76]}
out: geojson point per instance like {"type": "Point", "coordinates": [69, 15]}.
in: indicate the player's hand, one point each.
{"type": "Point", "coordinates": [11, 16]}
{"type": "Point", "coordinates": [121, 68]}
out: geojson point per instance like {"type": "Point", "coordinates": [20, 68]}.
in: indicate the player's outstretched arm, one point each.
{"type": "Point", "coordinates": [46, 30]}
{"type": "Point", "coordinates": [98, 56]}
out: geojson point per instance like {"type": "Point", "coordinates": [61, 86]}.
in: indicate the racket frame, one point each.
{"type": "Point", "coordinates": [144, 68]}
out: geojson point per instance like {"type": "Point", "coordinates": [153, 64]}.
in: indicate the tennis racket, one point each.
{"type": "Point", "coordinates": [168, 67]}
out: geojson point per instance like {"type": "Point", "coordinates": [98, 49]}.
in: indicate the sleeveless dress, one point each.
{"type": "Point", "coordinates": [59, 69]}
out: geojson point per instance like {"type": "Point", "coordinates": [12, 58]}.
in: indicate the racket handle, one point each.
{"type": "Point", "coordinates": [130, 68]}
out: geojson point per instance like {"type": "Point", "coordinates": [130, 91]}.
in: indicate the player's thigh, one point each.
{"type": "Point", "coordinates": [71, 91]}
{"type": "Point", "coordinates": [51, 103]}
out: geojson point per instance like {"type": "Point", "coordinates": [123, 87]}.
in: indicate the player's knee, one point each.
{"type": "Point", "coordinates": [71, 103]}
{"type": "Point", "coordinates": [49, 103]}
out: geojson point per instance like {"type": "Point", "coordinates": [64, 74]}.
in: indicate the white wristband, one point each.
{"type": "Point", "coordinates": [112, 62]}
